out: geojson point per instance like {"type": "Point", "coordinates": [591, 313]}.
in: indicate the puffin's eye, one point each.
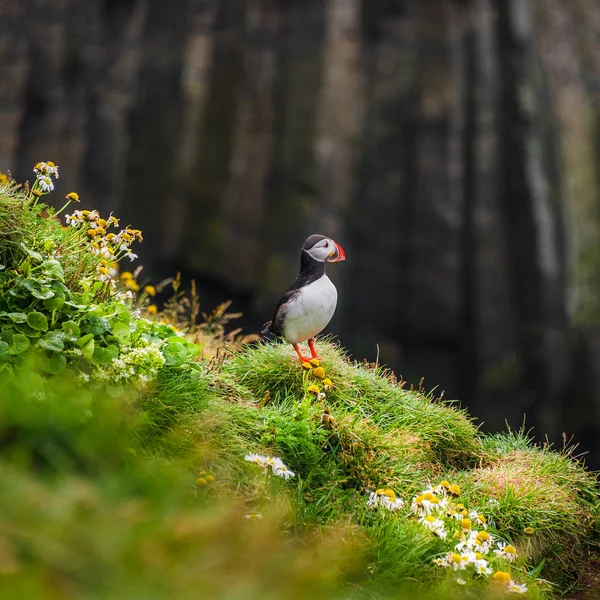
{"type": "Point", "coordinates": [326, 244]}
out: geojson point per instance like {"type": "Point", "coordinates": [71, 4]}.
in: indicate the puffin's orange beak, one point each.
{"type": "Point", "coordinates": [338, 254]}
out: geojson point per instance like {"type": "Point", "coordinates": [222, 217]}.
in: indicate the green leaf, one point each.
{"type": "Point", "coordinates": [52, 268]}
{"type": "Point", "coordinates": [55, 303]}
{"type": "Point", "coordinates": [37, 320]}
{"type": "Point", "coordinates": [20, 343]}
{"type": "Point", "coordinates": [95, 325]}
{"type": "Point", "coordinates": [82, 341]}
{"type": "Point", "coordinates": [26, 330]}
{"type": "Point", "coordinates": [4, 351]}
{"type": "Point", "coordinates": [71, 329]}
{"type": "Point", "coordinates": [35, 255]}
{"type": "Point", "coordinates": [114, 350]}
{"type": "Point", "coordinates": [52, 341]}
{"type": "Point", "coordinates": [115, 390]}
{"type": "Point", "coordinates": [17, 317]}
{"type": "Point", "coordinates": [88, 350]}
{"type": "Point", "coordinates": [101, 356]}
{"type": "Point", "coordinates": [55, 363]}
{"type": "Point", "coordinates": [121, 332]}
{"type": "Point", "coordinates": [175, 354]}
{"type": "Point", "coordinates": [36, 289]}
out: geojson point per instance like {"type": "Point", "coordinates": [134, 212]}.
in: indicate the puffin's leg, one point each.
{"type": "Point", "coordinates": [302, 358]}
{"type": "Point", "coordinates": [313, 350]}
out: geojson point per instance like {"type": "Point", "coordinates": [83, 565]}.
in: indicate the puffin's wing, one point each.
{"type": "Point", "coordinates": [275, 325]}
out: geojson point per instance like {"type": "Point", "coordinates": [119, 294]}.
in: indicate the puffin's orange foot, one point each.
{"type": "Point", "coordinates": [313, 350]}
{"type": "Point", "coordinates": [303, 358]}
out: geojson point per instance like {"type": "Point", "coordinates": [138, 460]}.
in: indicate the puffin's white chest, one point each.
{"type": "Point", "coordinates": [310, 311]}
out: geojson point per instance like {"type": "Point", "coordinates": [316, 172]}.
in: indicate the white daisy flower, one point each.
{"type": "Point", "coordinates": [45, 183]}
{"type": "Point", "coordinates": [435, 525]}
{"type": "Point", "coordinates": [254, 516]}
{"type": "Point", "coordinates": [508, 552]}
{"type": "Point", "coordinates": [516, 588]}
{"type": "Point", "coordinates": [385, 498]}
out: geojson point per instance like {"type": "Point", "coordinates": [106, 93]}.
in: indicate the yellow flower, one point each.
{"type": "Point", "coordinates": [100, 230]}
{"type": "Point", "coordinates": [50, 164]}
{"type": "Point", "coordinates": [113, 220]}
{"type": "Point", "coordinates": [210, 478]}
{"type": "Point", "coordinates": [389, 493]}
{"type": "Point", "coordinates": [92, 232]}
{"type": "Point", "coordinates": [466, 524]}
{"type": "Point", "coordinates": [72, 196]}
{"type": "Point", "coordinates": [510, 549]}
{"type": "Point", "coordinates": [482, 536]}
{"type": "Point", "coordinates": [313, 389]}
{"type": "Point", "coordinates": [3, 178]}
{"type": "Point", "coordinates": [104, 271]}
{"type": "Point", "coordinates": [131, 284]}
{"type": "Point", "coordinates": [305, 365]}
{"type": "Point", "coordinates": [36, 193]}
{"type": "Point", "coordinates": [327, 382]}
{"type": "Point", "coordinates": [529, 531]}
{"type": "Point", "coordinates": [445, 484]}
{"type": "Point", "coordinates": [201, 481]}
{"type": "Point", "coordinates": [501, 577]}
{"type": "Point", "coordinates": [314, 362]}
{"type": "Point", "coordinates": [126, 274]}
{"type": "Point", "coordinates": [456, 558]}
{"type": "Point", "coordinates": [152, 309]}
{"type": "Point", "coordinates": [454, 490]}
{"type": "Point", "coordinates": [150, 290]}
{"type": "Point", "coordinates": [319, 372]}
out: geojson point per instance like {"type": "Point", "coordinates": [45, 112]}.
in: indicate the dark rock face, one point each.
{"type": "Point", "coordinates": [450, 147]}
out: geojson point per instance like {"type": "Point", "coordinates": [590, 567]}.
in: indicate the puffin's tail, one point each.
{"type": "Point", "coordinates": [267, 328]}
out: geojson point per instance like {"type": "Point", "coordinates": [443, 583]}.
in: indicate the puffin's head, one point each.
{"type": "Point", "coordinates": [322, 249]}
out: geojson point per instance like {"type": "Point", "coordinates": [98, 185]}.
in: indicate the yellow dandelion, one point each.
{"type": "Point", "coordinates": [150, 290]}
{"type": "Point", "coordinates": [501, 577]}
{"type": "Point", "coordinates": [319, 372]}
{"type": "Point", "coordinates": [72, 196]}
{"type": "Point", "coordinates": [152, 309]}
{"type": "Point", "coordinates": [313, 389]}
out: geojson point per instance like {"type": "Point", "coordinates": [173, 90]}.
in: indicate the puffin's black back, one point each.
{"type": "Point", "coordinates": [310, 270]}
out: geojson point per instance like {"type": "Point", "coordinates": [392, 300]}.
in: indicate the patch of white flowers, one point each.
{"type": "Point", "coordinates": [277, 466]}
{"type": "Point", "coordinates": [474, 550]}
{"type": "Point", "coordinates": [385, 498]}
{"type": "Point", "coordinates": [136, 365]}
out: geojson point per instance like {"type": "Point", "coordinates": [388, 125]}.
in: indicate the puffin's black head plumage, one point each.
{"type": "Point", "coordinates": [313, 239]}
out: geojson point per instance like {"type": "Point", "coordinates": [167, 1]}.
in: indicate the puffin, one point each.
{"type": "Point", "coordinates": [308, 305]}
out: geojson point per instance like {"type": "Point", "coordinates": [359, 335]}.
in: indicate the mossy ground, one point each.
{"type": "Point", "coordinates": [98, 497]}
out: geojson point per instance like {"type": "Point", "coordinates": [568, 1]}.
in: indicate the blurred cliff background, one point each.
{"type": "Point", "coordinates": [450, 146]}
